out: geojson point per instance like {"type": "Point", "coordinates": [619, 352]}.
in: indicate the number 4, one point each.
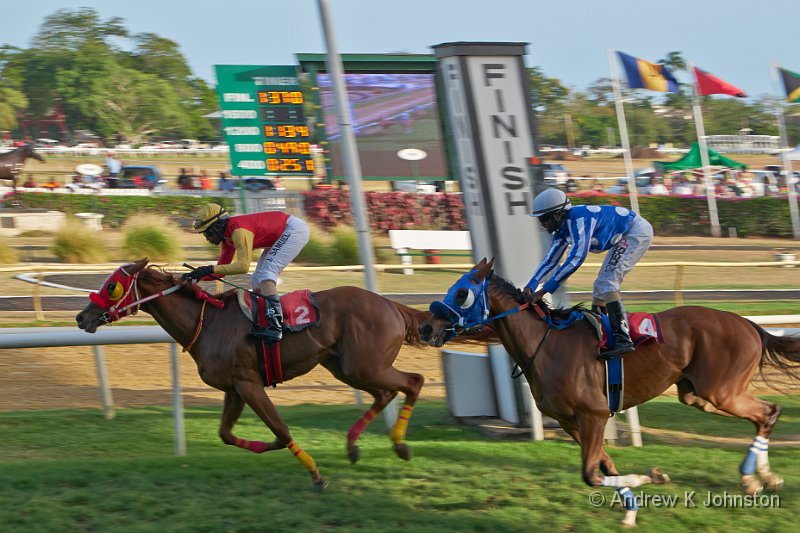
{"type": "Point", "coordinates": [646, 327]}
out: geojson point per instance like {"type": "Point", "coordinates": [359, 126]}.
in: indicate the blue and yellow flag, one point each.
{"type": "Point", "coordinates": [645, 75]}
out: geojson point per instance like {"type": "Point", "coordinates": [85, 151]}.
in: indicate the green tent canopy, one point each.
{"type": "Point", "coordinates": [692, 160]}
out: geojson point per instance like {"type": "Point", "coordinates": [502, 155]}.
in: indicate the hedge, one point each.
{"type": "Point", "coordinates": [673, 215]}
{"type": "Point", "coordinates": [670, 215]}
{"type": "Point", "coordinates": [117, 209]}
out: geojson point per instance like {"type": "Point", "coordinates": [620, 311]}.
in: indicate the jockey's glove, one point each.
{"type": "Point", "coordinates": [198, 273]}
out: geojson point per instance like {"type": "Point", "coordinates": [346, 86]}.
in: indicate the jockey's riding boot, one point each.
{"type": "Point", "coordinates": [620, 330]}
{"type": "Point", "coordinates": [599, 309]}
{"type": "Point", "coordinates": [274, 315]}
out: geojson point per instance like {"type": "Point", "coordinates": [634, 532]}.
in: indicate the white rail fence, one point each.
{"type": "Point", "coordinates": [15, 338]}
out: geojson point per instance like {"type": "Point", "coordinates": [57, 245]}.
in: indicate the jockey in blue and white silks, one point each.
{"type": "Point", "coordinates": [591, 228]}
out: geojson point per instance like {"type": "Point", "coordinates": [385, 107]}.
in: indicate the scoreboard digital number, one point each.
{"type": "Point", "coordinates": [286, 137]}
{"type": "Point", "coordinates": [263, 120]}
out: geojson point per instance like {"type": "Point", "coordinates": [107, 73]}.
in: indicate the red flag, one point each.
{"type": "Point", "coordinates": [709, 84]}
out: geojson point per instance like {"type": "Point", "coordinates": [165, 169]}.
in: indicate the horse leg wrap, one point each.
{"type": "Point", "coordinates": [361, 424]}
{"type": "Point", "coordinates": [304, 458]}
{"type": "Point", "coordinates": [628, 499]}
{"type": "Point", "coordinates": [629, 481]}
{"type": "Point", "coordinates": [757, 457]}
{"type": "Point", "coordinates": [401, 425]}
{"type": "Point", "coordinates": [256, 446]}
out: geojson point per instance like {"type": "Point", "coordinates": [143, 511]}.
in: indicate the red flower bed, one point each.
{"type": "Point", "coordinates": [388, 210]}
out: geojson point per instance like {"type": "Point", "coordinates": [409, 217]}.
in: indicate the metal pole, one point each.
{"type": "Point", "coordinates": [102, 377]}
{"type": "Point", "coordinates": [352, 168]}
{"type": "Point", "coordinates": [623, 130]}
{"type": "Point", "coordinates": [787, 163]}
{"type": "Point", "coordinates": [352, 165]}
{"type": "Point", "coordinates": [701, 142]}
{"type": "Point", "coordinates": [177, 403]}
{"type": "Point", "coordinates": [636, 429]}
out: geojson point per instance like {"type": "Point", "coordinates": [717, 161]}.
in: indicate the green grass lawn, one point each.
{"type": "Point", "coordinates": [70, 470]}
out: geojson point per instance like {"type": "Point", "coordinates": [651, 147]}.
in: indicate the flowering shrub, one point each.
{"type": "Point", "coordinates": [388, 210]}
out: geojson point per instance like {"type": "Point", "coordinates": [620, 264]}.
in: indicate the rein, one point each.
{"type": "Point", "coordinates": [517, 371]}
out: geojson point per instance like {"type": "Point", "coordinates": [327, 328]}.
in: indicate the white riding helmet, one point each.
{"type": "Point", "coordinates": [550, 201]}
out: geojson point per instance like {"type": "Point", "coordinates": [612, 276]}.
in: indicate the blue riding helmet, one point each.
{"type": "Point", "coordinates": [464, 310]}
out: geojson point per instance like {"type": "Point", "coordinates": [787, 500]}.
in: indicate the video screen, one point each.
{"type": "Point", "coordinates": [390, 112]}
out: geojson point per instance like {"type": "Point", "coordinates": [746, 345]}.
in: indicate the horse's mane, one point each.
{"type": "Point", "coordinates": [509, 289]}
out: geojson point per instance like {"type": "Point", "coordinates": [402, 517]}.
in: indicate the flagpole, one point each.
{"type": "Point", "coordinates": [623, 130]}
{"type": "Point", "coordinates": [787, 163]}
{"type": "Point", "coordinates": [701, 140]}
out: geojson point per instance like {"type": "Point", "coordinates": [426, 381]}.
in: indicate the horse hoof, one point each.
{"type": "Point", "coordinates": [630, 519]}
{"type": "Point", "coordinates": [403, 451]}
{"type": "Point", "coordinates": [773, 482]}
{"type": "Point", "coordinates": [658, 476]}
{"type": "Point", "coordinates": [320, 485]}
{"type": "Point", "coordinates": [354, 454]}
{"type": "Point", "coordinates": [751, 486]}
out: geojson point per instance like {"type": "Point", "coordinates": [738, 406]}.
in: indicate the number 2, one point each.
{"type": "Point", "coordinates": [302, 314]}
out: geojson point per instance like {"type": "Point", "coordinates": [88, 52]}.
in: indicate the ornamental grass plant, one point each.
{"type": "Point", "coordinates": [156, 238]}
{"type": "Point", "coordinates": [7, 253]}
{"type": "Point", "coordinates": [75, 243]}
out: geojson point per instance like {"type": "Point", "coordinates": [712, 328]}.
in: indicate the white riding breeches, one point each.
{"type": "Point", "coordinates": [274, 259]}
{"type": "Point", "coordinates": [622, 257]}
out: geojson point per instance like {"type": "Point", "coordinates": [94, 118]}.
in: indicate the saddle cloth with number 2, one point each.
{"type": "Point", "coordinates": [300, 309]}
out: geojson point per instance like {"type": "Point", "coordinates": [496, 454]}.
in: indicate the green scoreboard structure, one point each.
{"type": "Point", "coordinates": [281, 120]}
{"type": "Point", "coordinates": [263, 120]}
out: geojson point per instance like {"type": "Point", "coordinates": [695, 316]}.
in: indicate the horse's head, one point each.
{"type": "Point", "coordinates": [109, 303]}
{"type": "Point", "coordinates": [29, 151]}
{"type": "Point", "coordinates": [465, 305]}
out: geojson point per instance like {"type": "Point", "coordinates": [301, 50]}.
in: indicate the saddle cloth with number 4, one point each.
{"type": "Point", "coordinates": [300, 309]}
{"type": "Point", "coordinates": [643, 327]}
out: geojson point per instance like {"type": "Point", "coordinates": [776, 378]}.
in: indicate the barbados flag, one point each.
{"type": "Point", "coordinates": [646, 75]}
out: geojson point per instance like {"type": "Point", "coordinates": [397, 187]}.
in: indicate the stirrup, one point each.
{"type": "Point", "coordinates": [270, 332]}
{"type": "Point", "coordinates": [620, 348]}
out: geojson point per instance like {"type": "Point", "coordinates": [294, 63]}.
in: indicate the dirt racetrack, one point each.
{"type": "Point", "coordinates": [140, 375]}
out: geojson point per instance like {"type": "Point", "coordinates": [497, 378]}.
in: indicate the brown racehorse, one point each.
{"type": "Point", "coordinates": [358, 338]}
{"type": "Point", "coordinates": [11, 162]}
{"type": "Point", "coordinates": [711, 355]}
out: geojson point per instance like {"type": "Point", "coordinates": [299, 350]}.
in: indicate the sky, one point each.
{"type": "Point", "coordinates": [736, 40]}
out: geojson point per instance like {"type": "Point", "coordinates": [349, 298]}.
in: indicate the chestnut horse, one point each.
{"type": "Point", "coordinates": [357, 340]}
{"type": "Point", "coordinates": [710, 355]}
{"type": "Point", "coordinates": [11, 162]}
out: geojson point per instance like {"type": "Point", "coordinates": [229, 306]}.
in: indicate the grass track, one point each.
{"type": "Point", "coordinates": [70, 470]}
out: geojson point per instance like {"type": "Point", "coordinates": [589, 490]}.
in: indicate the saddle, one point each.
{"type": "Point", "coordinates": [644, 327]}
{"type": "Point", "coordinates": [300, 310]}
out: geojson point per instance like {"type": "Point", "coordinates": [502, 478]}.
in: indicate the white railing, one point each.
{"type": "Point", "coordinates": [64, 336]}
{"type": "Point", "coordinates": [68, 336]}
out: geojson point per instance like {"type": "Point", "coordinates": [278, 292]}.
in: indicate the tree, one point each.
{"type": "Point", "coordinates": [161, 57]}
{"type": "Point", "coordinates": [77, 61]}
{"type": "Point", "coordinates": [67, 30]}
{"type": "Point", "coordinates": [12, 99]}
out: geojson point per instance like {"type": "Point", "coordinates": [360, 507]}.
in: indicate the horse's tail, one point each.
{"type": "Point", "coordinates": [414, 317]}
{"type": "Point", "coordinates": [782, 353]}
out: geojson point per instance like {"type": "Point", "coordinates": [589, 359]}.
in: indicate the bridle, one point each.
{"type": "Point", "coordinates": [457, 317]}
{"type": "Point", "coordinates": [129, 302]}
